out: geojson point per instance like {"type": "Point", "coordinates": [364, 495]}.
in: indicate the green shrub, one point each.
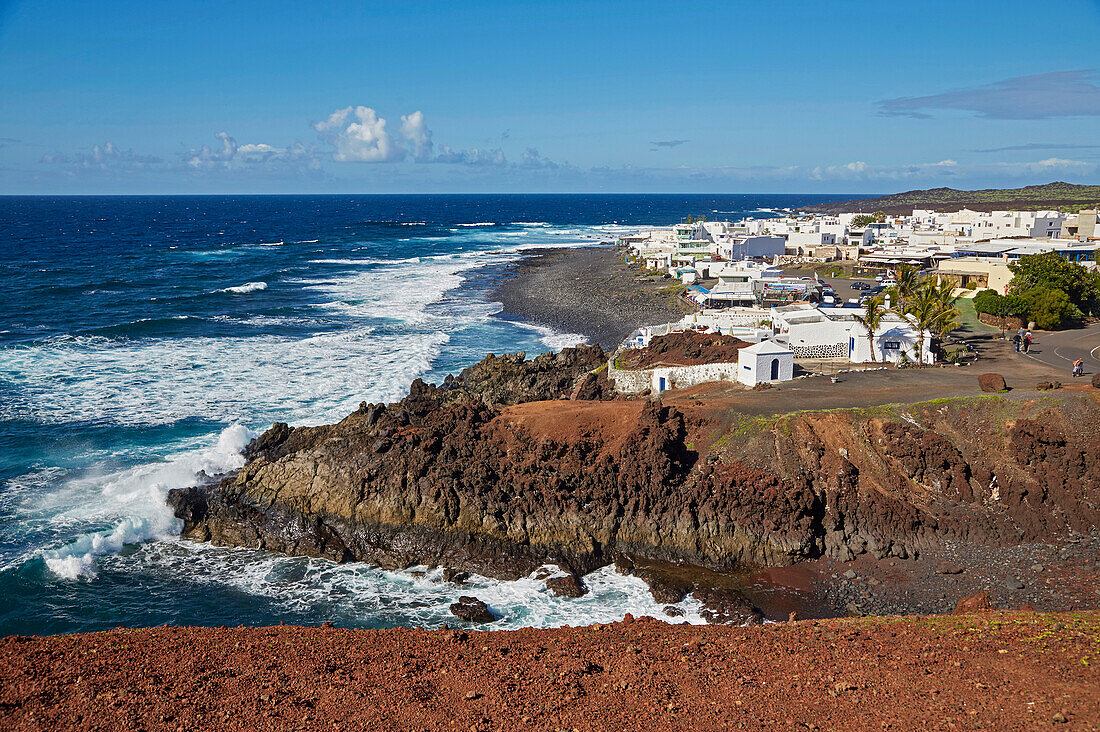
{"type": "Point", "coordinates": [1050, 271]}
{"type": "Point", "coordinates": [1049, 308]}
{"type": "Point", "coordinates": [990, 303]}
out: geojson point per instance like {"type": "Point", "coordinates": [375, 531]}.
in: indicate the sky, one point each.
{"type": "Point", "coordinates": [782, 96]}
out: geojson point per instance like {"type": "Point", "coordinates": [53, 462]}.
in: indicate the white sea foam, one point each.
{"type": "Point", "coordinates": [245, 288]}
{"type": "Point", "coordinates": [477, 224]}
{"type": "Point", "coordinates": [358, 593]}
{"type": "Point", "coordinates": [554, 340]}
{"type": "Point", "coordinates": [133, 501]}
{"type": "Point", "coordinates": [365, 261]}
{"type": "Point", "coordinates": [218, 379]}
{"type": "Point", "coordinates": [253, 380]}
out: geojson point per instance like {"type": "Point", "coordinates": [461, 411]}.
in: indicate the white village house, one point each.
{"type": "Point", "coordinates": [765, 361]}
{"type": "Point", "coordinates": [819, 332]}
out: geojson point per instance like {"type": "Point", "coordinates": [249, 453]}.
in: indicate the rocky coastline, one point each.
{"type": "Point", "coordinates": [518, 463]}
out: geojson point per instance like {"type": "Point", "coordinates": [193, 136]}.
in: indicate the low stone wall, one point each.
{"type": "Point", "coordinates": [823, 350]}
{"type": "Point", "coordinates": [1010, 323]}
{"type": "Point", "coordinates": [637, 381]}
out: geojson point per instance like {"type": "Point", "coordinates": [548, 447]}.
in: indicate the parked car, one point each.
{"type": "Point", "coordinates": [860, 286]}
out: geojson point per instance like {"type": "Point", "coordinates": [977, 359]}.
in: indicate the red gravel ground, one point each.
{"type": "Point", "coordinates": [992, 670]}
{"type": "Point", "coordinates": [685, 348]}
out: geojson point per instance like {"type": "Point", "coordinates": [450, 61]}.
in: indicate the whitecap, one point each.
{"type": "Point", "coordinates": [553, 339]}
{"type": "Point", "coordinates": [133, 501]}
{"type": "Point", "coordinates": [245, 288]}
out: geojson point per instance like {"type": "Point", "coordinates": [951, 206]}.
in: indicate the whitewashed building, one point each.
{"type": "Point", "coordinates": [817, 332]}
{"type": "Point", "coordinates": [765, 361]}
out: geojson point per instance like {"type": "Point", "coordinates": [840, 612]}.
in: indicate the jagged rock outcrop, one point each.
{"type": "Point", "coordinates": [472, 476]}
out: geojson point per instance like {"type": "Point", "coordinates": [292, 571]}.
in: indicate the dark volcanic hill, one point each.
{"type": "Point", "coordinates": [1056, 196]}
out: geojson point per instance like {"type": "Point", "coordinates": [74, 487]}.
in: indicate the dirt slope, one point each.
{"type": "Point", "coordinates": [995, 671]}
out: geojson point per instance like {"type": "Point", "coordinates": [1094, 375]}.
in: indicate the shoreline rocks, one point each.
{"type": "Point", "coordinates": [492, 472]}
{"type": "Point", "coordinates": [472, 610]}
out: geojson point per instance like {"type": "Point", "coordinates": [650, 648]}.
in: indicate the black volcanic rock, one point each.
{"type": "Point", "coordinates": [469, 484]}
{"type": "Point", "coordinates": [472, 610]}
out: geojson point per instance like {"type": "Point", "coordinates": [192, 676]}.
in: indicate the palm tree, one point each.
{"type": "Point", "coordinates": [931, 310]}
{"type": "Point", "coordinates": [873, 311]}
{"type": "Point", "coordinates": [908, 284]}
{"type": "Point", "coordinates": [942, 291]}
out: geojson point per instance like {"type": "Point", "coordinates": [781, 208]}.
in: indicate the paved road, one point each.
{"type": "Point", "coordinates": [1060, 349]}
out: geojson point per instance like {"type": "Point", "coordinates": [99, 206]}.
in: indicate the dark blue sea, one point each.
{"type": "Point", "coordinates": [145, 340]}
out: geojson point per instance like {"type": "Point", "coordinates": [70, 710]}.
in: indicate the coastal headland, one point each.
{"type": "Point", "coordinates": [1056, 195]}
{"type": "Point", "coordinates": [822, 505]}
{"type": "Point", "coordinates": [516, 464]}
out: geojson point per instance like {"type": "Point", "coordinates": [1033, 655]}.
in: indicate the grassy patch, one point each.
{"type": "Point", "coordinates": [968, 317]}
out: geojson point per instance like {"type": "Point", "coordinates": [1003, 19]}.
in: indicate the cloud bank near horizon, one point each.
{"type": "Point", "coordinates": [352, 141]}
{"type": "Point", "coordinates": [1038, 96]}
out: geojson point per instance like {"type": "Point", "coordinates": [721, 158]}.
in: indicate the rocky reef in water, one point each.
{"type": "Point", "coordinates": [517, 463]}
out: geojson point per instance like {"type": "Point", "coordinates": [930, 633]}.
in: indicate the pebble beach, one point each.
{"type": "Point", "coordinates": [590, 291]}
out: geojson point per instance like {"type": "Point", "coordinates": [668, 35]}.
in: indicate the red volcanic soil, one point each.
{"type": "Point", "coordinates": [685, 348]}
{"type": "Point", "coordinates": [993, 670]}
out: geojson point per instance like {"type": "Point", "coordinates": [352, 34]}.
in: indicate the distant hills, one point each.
{"type": "Point", "coordinates": [1057, 196]}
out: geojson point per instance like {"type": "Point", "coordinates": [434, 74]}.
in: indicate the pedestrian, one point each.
{"type": "Point", "coordinates": [1078, 367]}
{"type": "Point", "coordinates": [1016, 342]}
{"type": "Point", "coordinates": [1027, 342]}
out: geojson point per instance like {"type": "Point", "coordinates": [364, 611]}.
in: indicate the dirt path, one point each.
{"type": "Point", "coordinates": [998, 671]}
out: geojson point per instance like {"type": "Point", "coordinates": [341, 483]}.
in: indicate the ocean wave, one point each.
{"type": "Point", "coordinates": [302, 380]}
{"type": "Point", "coordinates": [478, 223]}
{"type": "Point", "coordinates": [553, 339]}
{"type": "Point", "coordinates": [365, 261]}
{"type": "Point", "coordinates": [134, 502]}
{"type": "Point", "coordinates": [245, 288]}
{"type": "Point", "coordinates": [357, 593]}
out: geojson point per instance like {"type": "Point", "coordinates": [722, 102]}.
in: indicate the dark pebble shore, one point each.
{"type": "Point", "coordinates": [587, 290]}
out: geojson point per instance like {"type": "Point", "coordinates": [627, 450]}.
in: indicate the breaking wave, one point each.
{"type": "Point", "coordinates": [245, 288]}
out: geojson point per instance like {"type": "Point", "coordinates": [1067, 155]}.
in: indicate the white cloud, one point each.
{"type": "Point", "coordinates": [533, 160]}
{"type": "Point", "coordinates": [473, 156]}
{"type": "Point", "coordinates": [107, 156]}
{"type": "Point", "coordinates": [359, 135]}
{"type": "Point", "coordinates": [414, 129]}
{"type": "Point", "coordinates": [231, 155]}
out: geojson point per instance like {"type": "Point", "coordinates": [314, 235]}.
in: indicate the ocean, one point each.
{"type": "Point", "coordinates": [145, 340]}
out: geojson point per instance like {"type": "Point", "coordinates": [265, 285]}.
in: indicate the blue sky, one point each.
{"type": "Point", "coordinates": [780, 96]}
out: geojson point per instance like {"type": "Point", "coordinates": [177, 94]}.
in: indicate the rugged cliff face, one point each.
{"type": "Point", "coordinates": [476, 476]}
